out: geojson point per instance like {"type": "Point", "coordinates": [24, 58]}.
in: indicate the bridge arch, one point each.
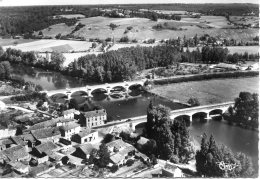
{"type": "Point", "coordinates": [118, 88]}
{"type": "Point", "coordinates": [79, 93]}
{"type": "Point", "coordinates": [135, 86]}
{"type": "Point", "coordinates": [216, 114]}
{"type": "Point", "coordinates": [59, 97]}
{"type": "Point", "coordinates": [98, 90]}
{"type": "Point", "coordinates": [199, 116]}
{"type": "Point", "coordinates": [184, 117]}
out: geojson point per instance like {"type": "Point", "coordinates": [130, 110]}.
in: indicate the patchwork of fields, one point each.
{"type": "Point", "coordinates": [98, 27]}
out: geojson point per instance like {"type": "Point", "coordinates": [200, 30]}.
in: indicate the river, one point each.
{"type": "Point", "coordinates": [236, 138]}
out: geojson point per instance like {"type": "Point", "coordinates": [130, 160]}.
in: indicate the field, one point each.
{"type": "Point", "coordinates": [52, 45]}
{"type": "Point", "coordinates": [70, 16]}
{"type": "Point", "coordinates": [245, 20]}
{"type": "Point", "coordinates": [211, 21]}
{"type": "Point", "coordinates": [6, 42]}
{"type": "Point", "coordinates": [98, 27]}
{"type": "Point", "coordinates": [208, 92]}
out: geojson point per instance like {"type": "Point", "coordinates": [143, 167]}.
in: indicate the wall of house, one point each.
{"type": "Point", "coordinates": [95, 121]}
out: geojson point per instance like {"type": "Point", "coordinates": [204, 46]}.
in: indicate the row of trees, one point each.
{"type": "Point", "coordinates": [172, 140]}
{"type": "Point", "coordinates": [121, 64]}
{"type": "Point", "coordinates": [211, 155]}
{"type": "Point", "coordinates": [245, 111]}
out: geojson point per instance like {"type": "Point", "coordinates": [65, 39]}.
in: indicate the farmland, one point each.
{"type": "Point", "coordinates": [53, 45]}
{"type": "Point", "coordinates": [208, 92]}
{"type": "Point", "coordinates": [142, 28]}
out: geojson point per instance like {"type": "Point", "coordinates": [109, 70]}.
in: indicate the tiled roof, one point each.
{"type": "Point", "coordinates": [116, 158]}
{"type": "Point", "coordinates": [142, 140]}
{"type": "Point", "coordinates": [95, 113]}
{"type": "Point", "coordinates": [28, 137]}
{"type": "Point", "coordinates": [56, 156]}
{"type": "Point", "coordinates": [85, 132]}
{"type": "Point", "coordinates": [45, 133]}
{"type": "Point", "coordinates": [70, 126]}
{"type": "Point", "coordinates": [70, 111]}
{"type": "Point", "coordinates": [7, 141]}
{"type": "Point", "coordinates": [86, 148]}
{"type": "Point", "coordinates": [126, 150]}
{"type": "Point", "coordinates": [117, 143]}
{"type": "Point", "coordinates": [18, 140]}
{"type": "Point", "coordinates": [18, 165]}
{"type": "Point", "coordinates": [16, 152]}
{"type": "Point", "coordinates": [46, 147]}
{"type": "Point", "coordinates": [40, 168]}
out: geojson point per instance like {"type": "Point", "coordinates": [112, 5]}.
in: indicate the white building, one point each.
{"type": "Point", "coordinates": [69, 130]}
{"type": "Point", "coordinates": [69, 114]}
{"type": "Point", "coordinates": [95, 118]}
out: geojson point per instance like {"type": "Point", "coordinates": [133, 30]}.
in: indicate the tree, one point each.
{"type": "Point", "coordinates": [129, 162]}
{"type": "Point", "coordinates": [94, 45]}
{"type": "Point", "coordinates": [108, 138]}
{"type": "Point", "coordinates": [1, 51]}
{"type": "Point", "coordinates": [193, 102]}
{"type": "Point", "coordinates": [58, 36]}
{"type": "Point", "coordinates": [154, 17]}
{"type": "Point", "coordinates": [210, 154]}
{"type": "Point", "coordinates": [57, 60]}
{"type": "Point", "coordinates": [104, 156]}
{"type": "Point", "coordinates": [40, 33]}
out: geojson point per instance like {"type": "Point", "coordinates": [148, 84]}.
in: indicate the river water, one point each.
{"type": "Point", "coordinates": [236, 138]}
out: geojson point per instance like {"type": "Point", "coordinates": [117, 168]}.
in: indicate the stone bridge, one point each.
{"type": "Point", "coordinates": [206, 112]}
{"type": "Point", "coordinates": [88, 90]}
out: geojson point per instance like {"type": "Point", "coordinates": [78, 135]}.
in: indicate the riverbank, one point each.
{"type": "Point", "coordinates": [207, 91]}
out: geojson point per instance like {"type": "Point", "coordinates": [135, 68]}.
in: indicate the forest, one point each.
{"type": "Point", "coordinates": [123, 64]}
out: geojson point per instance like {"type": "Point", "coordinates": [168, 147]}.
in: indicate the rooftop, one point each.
{"type": "Point", "coordinates": [16, 152]}
{"type": "Point", "coordinates": [142, 140]}
{"type": "Point", "coordinates": [117, 143]}
{"type": "Point", "coordinates": [45, 133]}
{"type": "Point", "coordinates": [18, 140]}
{"type": "Point", "coordinates": [70, 126]}
{"type": "Point", "coordinates": [46, 147]}
{"type": "Point", "coordinates": [95, 113]}
{"type": "Point", "coordinates": [70, 111]}
{"type": "Point", "coordinates": [85, 132]}
{"type": "Point", "coordinates": [86, 148]}
{"type": "Point", "coordinates": [116, 158]}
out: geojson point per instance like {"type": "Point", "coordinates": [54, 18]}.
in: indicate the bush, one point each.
{"type": "Point", "coordinates": [129, 162]}
{"type": "Point", "coordinates": [193, 102]}
{"type": "Point", "coordinates": [114, 168]}
{"type": "Point", "coordinates": [174, 159]}
{"type": "Point", "coordinates": [124, 39]}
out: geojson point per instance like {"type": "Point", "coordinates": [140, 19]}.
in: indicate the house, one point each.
{"type": "Point", "coordinates": [56, 157]}
{"type": "Point", "coordinates": [69, 114]}
{"type": "Point", "coordinates": [83, 151]}
{"type": "Point", "coordinates": [46, 148]}
{"type": "Point", "coordinates": [142, 157]}
{"type": "Point", "coordinates": [172, 171]}
{"type": "Point", "coordinates": [47, 134]}
{"type": "Point", "coordinates": [95, 118]}
{"type": "Point", "coordinates": [64, 121]}
{"type": "Point", "coordinates": [19, 167]}
{"type": "Point", "coordinates": [18, 140]}
{"type": "Point", "coordinates": [87, 135]}
{"type": "Point", "coordinates": [116, 146]}
{"type": "Point", "coordinates": [6, 130]}
{"type": "Point", "coordinates": [6, 143]}
{"type": "Point", "coordinates": [117, 159]}
{"type": "Point", "coordinates": [17, 153]}
{"type": "Point", "coordinates": [40, 169]}
{"type": "Point", "coordinates": [142, 141]}
{"type": "Point", "coordinates": [29, 139]}
{"type": "Point", "coordinates": [67, 131]}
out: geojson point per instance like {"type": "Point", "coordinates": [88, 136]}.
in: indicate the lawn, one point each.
{"type": "Point", "coordinates": [210, 91]}
{"type": "Point", "coordinates": [5, 42]}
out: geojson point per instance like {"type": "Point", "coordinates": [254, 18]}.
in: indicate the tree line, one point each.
{"type": "Point", "coordinates": [245, 112]}
{"type": "Point", "coordinates": [119, 65]}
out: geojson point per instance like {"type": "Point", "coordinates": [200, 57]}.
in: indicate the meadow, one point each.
{"type": "Point", "coordinates": [210, 91]}
{"type": "Point", "coordinates": [98, 27]}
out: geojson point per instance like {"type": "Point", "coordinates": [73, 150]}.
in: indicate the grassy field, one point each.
{"type": "Point", "coordinates": [98, 27]}
{"type": "Point", "coordinates": [208, 92]}
{"type": "Point", "coordinates": [7, 42]}
{"type": "Point", "coordinates": [245, 20]}
{"type": "Point", "coordinates": [51, 45]}
{"type": "Point", "coordinates": [70, 16]}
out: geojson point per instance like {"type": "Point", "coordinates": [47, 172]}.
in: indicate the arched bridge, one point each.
{"type": "Point", "coordinates": [205, 111]}
{"type": "Point", "coordinates": [88, 90]}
